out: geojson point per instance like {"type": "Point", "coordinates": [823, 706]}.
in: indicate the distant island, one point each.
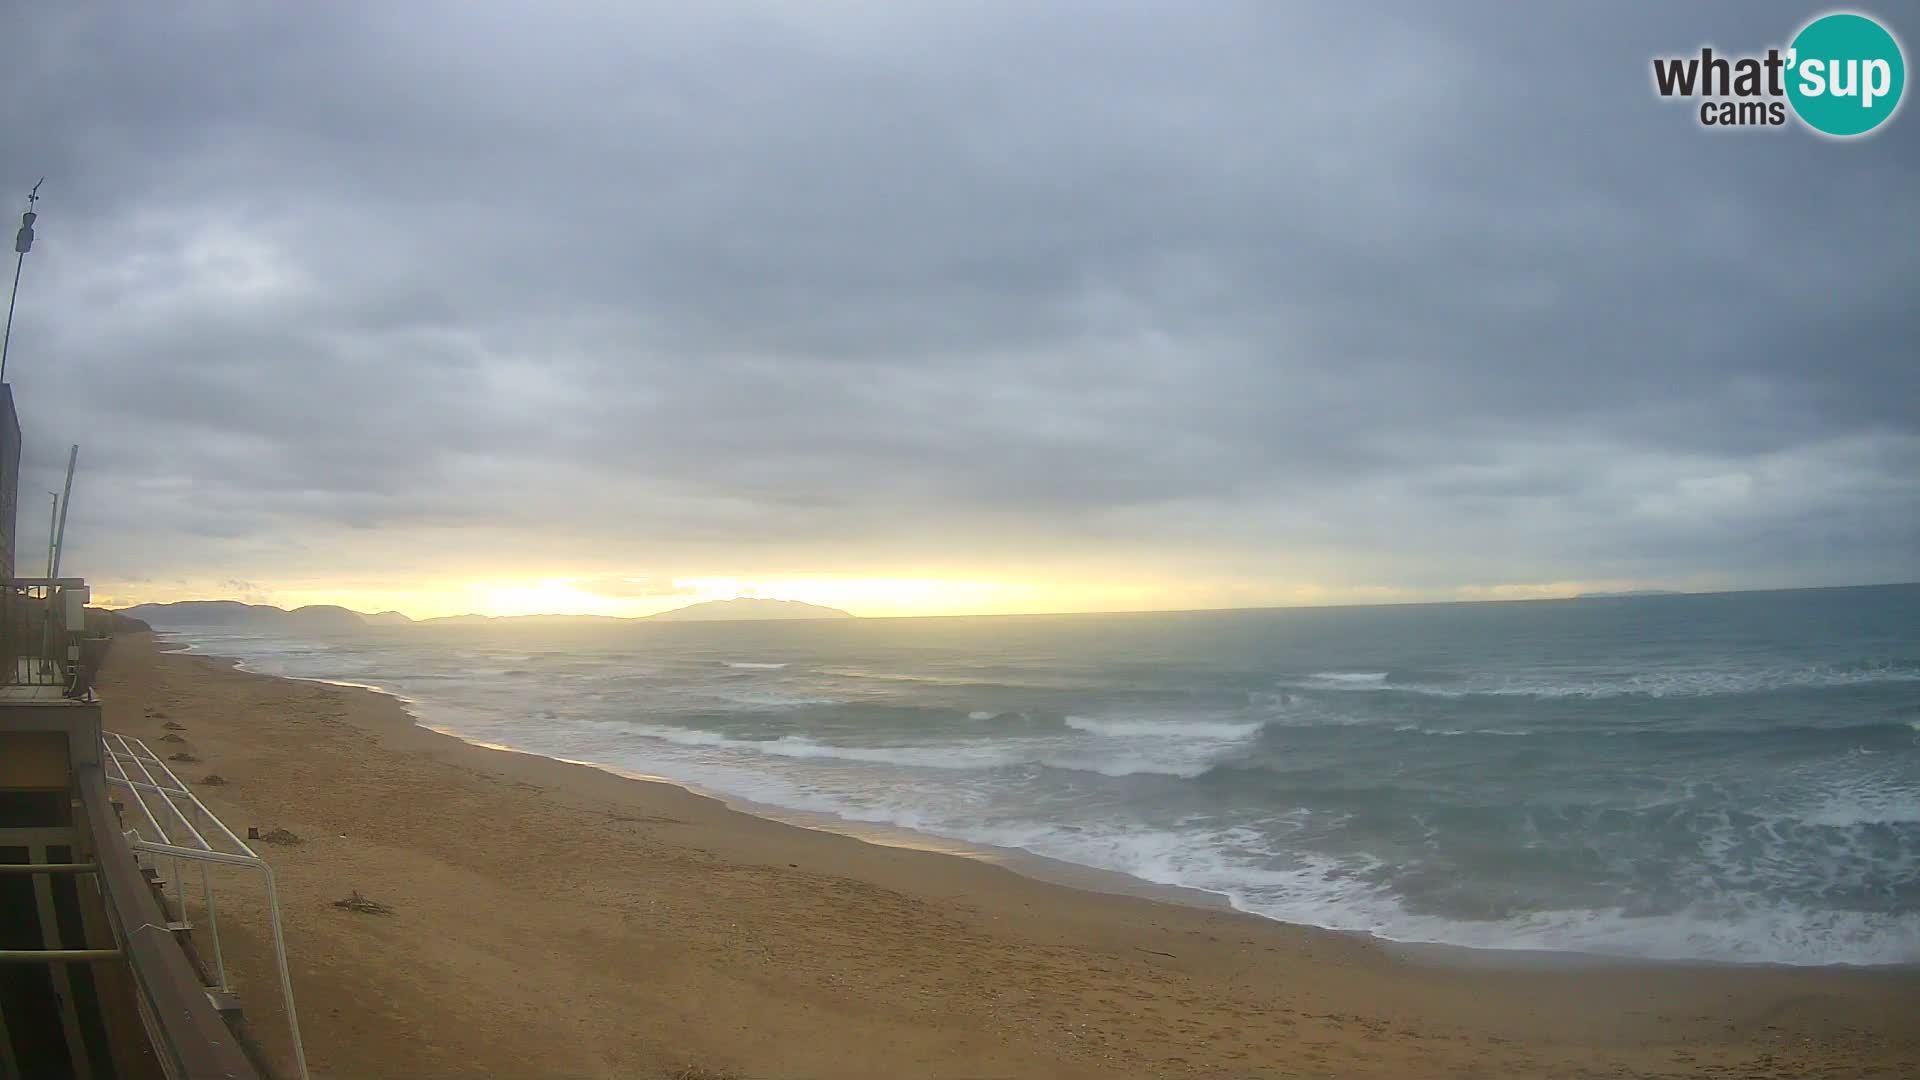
{"type": "Point", "coordinates": [747, 608]}
{"type": "Point", "coordinates": [1630, 594]}
{"type": "Point", "coordinates": [329, 618]}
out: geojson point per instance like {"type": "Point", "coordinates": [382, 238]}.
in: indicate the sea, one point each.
{"type": "Point", "coordinates": [1730, 777]}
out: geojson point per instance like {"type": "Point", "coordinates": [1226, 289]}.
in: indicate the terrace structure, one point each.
{"type": "Point", "coordinates": [110, 956]}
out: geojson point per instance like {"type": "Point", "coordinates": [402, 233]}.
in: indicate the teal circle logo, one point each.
{"type": "Point", "coordinates": [1845, 74]}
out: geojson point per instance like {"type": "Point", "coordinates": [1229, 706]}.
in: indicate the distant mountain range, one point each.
{"type": "Point", "coordinates": [235, 613]}
{"type": "Point", "coordinates": [328, 618]}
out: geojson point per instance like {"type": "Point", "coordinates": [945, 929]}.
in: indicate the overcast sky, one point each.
{"type": "Point", "coordinates": [929, 307]}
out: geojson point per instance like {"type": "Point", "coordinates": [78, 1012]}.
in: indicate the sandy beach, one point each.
{"type": "Point", "coordinates": [551, 919]}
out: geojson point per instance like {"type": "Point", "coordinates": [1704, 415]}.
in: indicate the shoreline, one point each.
{"type": "Point", "coordinates": [1064, 872]}
{"type": "Point", "coordinates": [1029, 864]}
{"type": "Point", "coordinates": [630, 928]}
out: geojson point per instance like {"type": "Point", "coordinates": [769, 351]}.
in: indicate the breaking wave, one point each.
{"type": "Point", "coordinates": [1655, 684]}
{"type": "Point", "coordinates": [961, 757]}
{"type": "Point", "coordinates": [1741, 786]}
{"type": "Point", "coordinates": [1177, 729]}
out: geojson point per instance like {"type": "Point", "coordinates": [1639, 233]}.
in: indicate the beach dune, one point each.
{"type": "Point", "coordinates": [551, 919]}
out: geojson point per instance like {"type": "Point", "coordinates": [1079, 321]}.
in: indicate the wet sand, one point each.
{"type": "Point", "coordinates": [552, 919]}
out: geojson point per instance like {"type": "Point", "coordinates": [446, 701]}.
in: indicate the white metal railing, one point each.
{"type": "Point", "coordinates": [42, 621]}
{"type": "Point", "coordinates": [172, 834]}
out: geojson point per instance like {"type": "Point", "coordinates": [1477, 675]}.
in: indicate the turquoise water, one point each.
{"type": "Point", "coordinates": [1728, 777]}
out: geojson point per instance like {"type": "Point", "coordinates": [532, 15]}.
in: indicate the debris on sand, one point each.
{"type": "Point", "coordinates": [171, 726]}
{"type": "Point", "coordinates": [212, 779]}
{"type": "Point", "coordinates": [281, 837]}
{"type": "Point", "coordinates": [186, 757]}
{"type": "Point", "coordinates": [364, 906]}
{"type": "Point", "coordinates": [698, 1072]}
{"type": "Point", "coordinates": [171, 738]}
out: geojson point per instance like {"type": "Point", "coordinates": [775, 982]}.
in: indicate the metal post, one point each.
{"type": "Point", "coordinates": [59, 541]}
{"type": "Point", "coordinates": [286, 978]}
{"type": "Point", "coordinates": [22, 243]}
{"type": "Point", "coordinates": [52, 516]}
{"type": "Point", "coordinates": [213, 927]}
{"type": "Point", "coordinates": [213, 910]}
{"type": "Point", "coordinates": [7, 341]}
{"type": "Point", "coordinates": [66, 499]}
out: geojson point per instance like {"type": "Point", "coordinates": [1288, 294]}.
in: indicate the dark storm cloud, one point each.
{"type": "Point", "coordinates": [1422, 298]}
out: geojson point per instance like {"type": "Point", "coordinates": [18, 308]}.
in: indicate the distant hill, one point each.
{"type": "Point", "coordinates": [320, 617]}
{"type": "Point", "coordinates": [325, 617]}
{"type": "Point", "coordinates": [204, 613]}
{"type": "Point", "coordinates": [1630, 594]}
{"type": "Point", "coordinates": [745, 608]}
{"type": "Point", "coordinates": [103, 623]}
{"type": "Point", "coordinates": [328, 618]}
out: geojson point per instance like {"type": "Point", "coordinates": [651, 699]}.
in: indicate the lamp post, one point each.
{"type": "Point", "coordinates": [22, 243]}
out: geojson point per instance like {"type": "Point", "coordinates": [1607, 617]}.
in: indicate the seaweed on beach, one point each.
{"type": "Point", "coordinates": [281, 837]}
{"type": "Point", "coordinates": [363, 905]}
{"type": "Point", "coordinates": [171, 738]}
{"type": "Point", "coordinates": [213, 779]}
{"type": "Point", "coordinates": [183, 756]}
{"type": "Point", "coordinates": [173, 726]}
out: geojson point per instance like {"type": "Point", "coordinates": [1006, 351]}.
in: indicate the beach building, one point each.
{"type": "Point", "coordinates": [110, 962]}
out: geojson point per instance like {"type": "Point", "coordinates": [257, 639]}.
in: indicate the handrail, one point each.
{"type": "Point", "coordinates": [119, 750]}
{"type": "Point", "coordinates": [187, 1033]}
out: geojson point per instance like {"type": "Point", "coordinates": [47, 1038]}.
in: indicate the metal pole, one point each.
{"type": "Point", "coordinates": [52, 515]}
{"type": "Point", "coordinates": [46, 628]}
{"type": "Point", "coordinates": [59, 538]}
{"type": "Point", "coordinates": [7, 341]}
{"type": "Point", "coordinates": [213, 910]}
{"type": "Point", "coordinates": [213, 927]}
{"type": "Point", "coordinates": [22, 243]}
{"type": "Point", "coordinates": [286, 978]}
{"type": "Point", "coordinates": [66, 498]}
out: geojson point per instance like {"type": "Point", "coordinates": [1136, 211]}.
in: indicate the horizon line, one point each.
{"type": "Point", "coordinates": [1633, 594]}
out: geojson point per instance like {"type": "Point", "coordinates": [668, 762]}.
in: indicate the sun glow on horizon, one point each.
{"type": "Point", "coordinates": [632, 597]}
{"type": "Point", "coordinates": [550, 597]}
